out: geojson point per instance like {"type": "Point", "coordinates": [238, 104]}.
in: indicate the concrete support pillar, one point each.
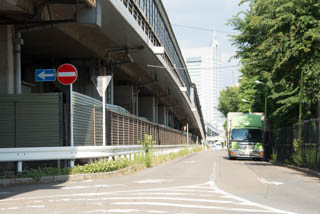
{"type": "Point", "coordinates": [147, 108]}
{"type": "Point", "coordinates": [136, 101]}
{"type": "Point", "coordinates": [110, 92]}
{"type": "Point", "coordinates": [6, 60]}
{"type": "Point", "coordinates": [170, 120]}
{"type": "Point", "coordinates": [124, 97]}
{"type": "Point", "coordinates": [163, 115]}
{"type": "Point", "coordinates": [156, 111]}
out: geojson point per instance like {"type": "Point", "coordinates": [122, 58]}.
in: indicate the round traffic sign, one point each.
{"type": "Point", "coordinates": [67, 74]}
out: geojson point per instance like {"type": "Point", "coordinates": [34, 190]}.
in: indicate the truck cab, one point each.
{"type": "Point", "coordinates": [245, 133]}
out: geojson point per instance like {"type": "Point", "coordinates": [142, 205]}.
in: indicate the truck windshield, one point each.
{"type": "Point", "coordinates": [246, 135]}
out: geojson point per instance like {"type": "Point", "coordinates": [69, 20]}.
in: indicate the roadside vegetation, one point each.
{"type": "Point", "coordinates": [279, 49]}
{"type": "Point", "coordinates": [146, 159]}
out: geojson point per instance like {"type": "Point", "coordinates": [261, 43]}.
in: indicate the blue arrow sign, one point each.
{"type": "Point", "coordinates": [45, 75]}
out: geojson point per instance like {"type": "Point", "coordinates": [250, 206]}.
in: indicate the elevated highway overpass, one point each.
{"type": "Point", "coordinates": [131, 40]}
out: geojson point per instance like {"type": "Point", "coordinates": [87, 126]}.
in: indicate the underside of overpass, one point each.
{"type": "Point", "coordinates": [107, 39]}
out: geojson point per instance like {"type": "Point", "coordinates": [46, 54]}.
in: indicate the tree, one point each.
{"type": "Point", "coordinates": [278, 40]}
{"type": "Point", "coordinates": [229, 100]}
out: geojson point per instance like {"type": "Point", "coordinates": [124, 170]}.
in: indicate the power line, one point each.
{"type": "Point", "coordinates": [203, 29]}
{"type": "Point", "coordinates": [230, 66]}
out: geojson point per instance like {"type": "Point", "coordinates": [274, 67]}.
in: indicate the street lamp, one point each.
{"type": "Point", "coordinates": [300, 107]}
{"type": "Point", "coordinates": [246, 101]}
{"type": "Point", "coordinates": [265, 104]}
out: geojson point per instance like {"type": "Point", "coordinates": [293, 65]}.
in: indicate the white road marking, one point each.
{"type": "Point", "coordinates": [155, 211]}
{"type": "Point", "coordinates": [246, 202]}
{"type": "Point", "coordinates": [162, 193]}
{"type": "Point", "coordinates": [10, 208]}
{"type": "Point", "coordinates": [264, 181]}
{"type": "Point", "coordinates": [189, 162]}
{"type": "Point", "coordinates": [190, 206]}
{"type": "Point", "coordinates": [98, 204]}
{"type": "Point", "coordinates": [76, 187]}
{"type": "Point", "coordinates": [93, 186]}
{"type": "Point", "coordinates": [35, 206]}
{"type": "Point", "coordinates": [152, 181]}
{"type": "Point", "coordinates": [168, 198]}
{"type": "Point", "coordinates": [205, 188]}
{"type": "Point", "coordinates": [114, 211]}
{"type": "Point", "coordinates": [143, 198]}
{"type": "Point", "coordinates": [127, 211]}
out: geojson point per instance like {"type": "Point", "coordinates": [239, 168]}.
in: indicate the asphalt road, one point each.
{"type": "Point", "coordinates": [205, 182]}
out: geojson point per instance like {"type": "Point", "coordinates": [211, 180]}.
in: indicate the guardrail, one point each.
{"type": "Point", "coordinates": [80, 152]}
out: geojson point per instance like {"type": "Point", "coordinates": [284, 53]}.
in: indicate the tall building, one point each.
{"type": "Point", "coordinates": [203, 66]}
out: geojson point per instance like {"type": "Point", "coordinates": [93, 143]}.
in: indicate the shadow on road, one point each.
{"type": "Point", "coordinates": [17, 189]}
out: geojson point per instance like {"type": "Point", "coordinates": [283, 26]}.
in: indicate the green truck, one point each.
{"type": "Point", "coordinates": [244, 135]}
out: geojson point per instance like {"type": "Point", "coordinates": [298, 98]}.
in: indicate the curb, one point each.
{"type": "Point", "coordinates": [64, 178]}
{"type": "Point", "coordinates": [300, 169]}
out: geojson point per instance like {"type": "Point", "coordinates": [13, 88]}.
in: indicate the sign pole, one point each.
{"type": "Point", "coordinates": [187, 133]}
{"type": "Point", "coordinates": [104, 113]}
{"type": "Point", "coordinates": [67, 74]}
{"type": "Point", "coordinates": [101, 85]}
{"type": "Point", "coordinates": [71, 125]}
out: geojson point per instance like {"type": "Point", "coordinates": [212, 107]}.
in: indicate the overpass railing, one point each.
{"type": "Point", "coordinates": [148, 17]}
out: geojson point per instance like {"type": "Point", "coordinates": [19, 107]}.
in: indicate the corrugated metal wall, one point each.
{"type": "Point", "coordinates": [7, 124]}
{"type": "Point", "coordinates": [121, 129]}
{"type": "Point", "coordinates": [30, 120]}
{"type": "Point", "coordinates": [87, 120]}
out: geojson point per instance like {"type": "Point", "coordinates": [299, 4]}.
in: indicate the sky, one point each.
{"type": "Point", "coordinates": [207, 15]}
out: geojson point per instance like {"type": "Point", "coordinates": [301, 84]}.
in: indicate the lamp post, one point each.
{"type": "Point", "coordinates": [246, 101]}
{"type": "Point", "coordinates": [300, 107]}
{"type": "Point", "coordinates": [265, 105]}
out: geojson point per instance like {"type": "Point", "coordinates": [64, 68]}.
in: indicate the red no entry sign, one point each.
{"type": "Point", "coordinates": [67, 74]}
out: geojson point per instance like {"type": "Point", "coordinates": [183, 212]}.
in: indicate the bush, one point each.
{"type": "Point", "coordinates": [96, 167]}
{"type": "Point", "coordinates": [297, 155]}
{"type": "Point", "coordinates": [147, 144]}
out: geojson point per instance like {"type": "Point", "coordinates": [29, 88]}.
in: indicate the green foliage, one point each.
{"type": "Point", "coordinates": [36, 174]}
{"type": "Point", "coordinates": [274, 156]}
{"type": "Point", "coordinates": [278, 40]}
{"type": "Point", "coordinates": [297, 155]}
{"type": "Point", "coordinates": [229, 100]}
{"type": "Point", "coordinates": [96, 167]}
{"type": "Point", "coordinates": [147, 144]}
{"type": "Point", "coordinates": [101, 166]}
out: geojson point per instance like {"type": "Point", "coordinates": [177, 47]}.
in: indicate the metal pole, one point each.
{"type": "Point", "coordinates": [187, 133]}
{"type": "Point", "coordinates": [71, 125]}
{"type": "Point", "coordinates": [104, 114]}
{"type": "Point", "coordinates": [265, 114]}
{"type": "Point", "coordinates": [18, 42]}
{"type": "Point", "coordinates": [71, 118]}
{"type": "Point", "coordinates": [19, 166]}
{"type": "Point", "coordinates": [300, 107]}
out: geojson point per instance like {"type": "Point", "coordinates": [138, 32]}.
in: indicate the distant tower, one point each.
{"type": "Point", "coordinates": [203, 66]}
